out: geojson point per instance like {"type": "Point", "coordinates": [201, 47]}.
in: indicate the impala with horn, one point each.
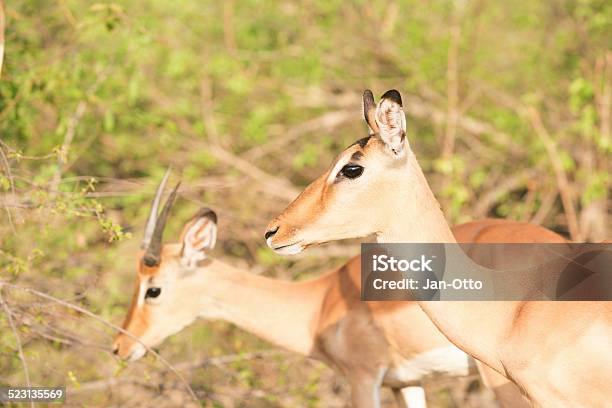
{"type": "Point", "coordinates": [559, 353]}
{"type": "Point", "coordinates": [370, 343]}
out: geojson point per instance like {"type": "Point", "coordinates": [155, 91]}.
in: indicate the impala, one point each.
{"type": "Point", "coordinates": [559, 353]}
{"type": "Point", "coordinates": [370, 343]}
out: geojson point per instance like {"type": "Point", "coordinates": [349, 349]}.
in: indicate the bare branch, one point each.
{"type": "Point", "coordinates": [2, 27]}
{"type": "Point", "coordinates": [533, 116]}
{"type": "Point", "coordinates": [207, 110]}
{"type": "Point", "coordinates": [106, 323]}
{"type": "Point", "coordinates": [547, 204]}
{"type": "Point", "coordinates": [9, 317]}
{"type": "Point", "coordinates": [605, 99]}
{"type": "Point", "coordinates": [325, 122]}
{"type": "Point", "coordinates": [71, 129]}
{"type": "Point", "coordinates": [562, 181]}
{"type": "Point", "coordinates": [452, 79]}
{"type": "Point", "coordinates": [488, 199]}
{"type": "Point", "coordinates": [275, 186]}
{"type": "Point", "coordinates": [68, 137]}
{"type": "Point", "coordinates": [186, 365]}
{"type": "Point", "coordinates": [2, 155]}
{"type": "Point", "coordinates": [229, 36]}
{"type": "Point", "coordinates": [9, 176]}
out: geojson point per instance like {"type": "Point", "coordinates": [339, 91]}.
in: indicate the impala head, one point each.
{"type": "Point", "coordinates": [358, 195]}
{"type": "Point", "coordinates": [165, 297]}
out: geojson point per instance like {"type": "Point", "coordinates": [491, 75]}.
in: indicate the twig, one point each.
{"type": "Point", "coordinates": [388, 23]}
{"type": "Point", "coordinates": [533, 116]}
{"type": "Point", "coordinates": [605, 99]}
{"type": "Point", "coordinates": [4, 159]}
{"type": "Point", "coordinates": [9, 317]}
{"type": "Point", "coordinates": [562, 182]}
{"type": "Point", "coordinates": [15, 153]}
{"type": "Point", "coordinates": [186, 365]}
{"type": "Point", "coordinates": [2, 26]}
{"type": "Point", "coordinates": [9, 176]}
{"type": "Point", "coordinates": [547, 203]}
{"type": "Point", "coordinates": [278, 187]}
{"type": "Point", "coordinates": [68, 137]}
{"type": "Point", "coordinates": [327, 121]}
{"type": "Point", "coordinates": [229, 36]}
{"type": "Point", "coordinates": [106, 323]}
{"type": "Point", "coordinates": [73, 122]}
{"type": "Point", "coordinates": [207, 110]}
{"type": "Point", "coordinates": [486, 200]}
{"type": "Point", "coordinates": [452, 79]}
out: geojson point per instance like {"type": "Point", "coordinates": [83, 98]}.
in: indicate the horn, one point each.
{"type": "Point", "coordinates": [152, 220]}
{"type": "Point", "coordinates": [152, 256]}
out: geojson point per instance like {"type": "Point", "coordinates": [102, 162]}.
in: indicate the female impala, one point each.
{"type": "Point", "coordinates": [370, 343]}
{"type": "Point", "coordinates": [559, 353]}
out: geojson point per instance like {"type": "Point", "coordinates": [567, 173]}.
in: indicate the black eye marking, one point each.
{"type": "Point", "coordinates": [153, 293]}
{"type": "Point", "coordinates": [351, 171]}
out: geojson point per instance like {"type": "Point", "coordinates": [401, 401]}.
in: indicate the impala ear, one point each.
{"type": "Point", "coordinates": [369, 111]}
{"type": "Point", "coordinates": [391, 122]}
{"type": "Point", "coordinates": [198, 236]}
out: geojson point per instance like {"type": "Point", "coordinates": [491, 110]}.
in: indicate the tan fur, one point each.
{"type": "Point", "coordinates": [559, 353]}
{"type": "Point", "coordinates": [322, 318]}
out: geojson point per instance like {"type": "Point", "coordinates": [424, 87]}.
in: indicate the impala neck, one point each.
{"type": "Point", "coordinates": [283, 313]}
{"type": "Point", "coordinates": [416, 215]}
{"type": "Point", "coordinates": [419, 219]}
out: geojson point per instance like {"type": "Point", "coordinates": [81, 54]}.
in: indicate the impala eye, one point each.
{"type": "Point", "coordinates": [351, 171]}
{"type": "Point", "coordinates": [152, 293]}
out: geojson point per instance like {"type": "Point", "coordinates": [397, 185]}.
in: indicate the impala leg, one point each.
{"type": "Point", "coordinates": [410, 397]}
{"type": "Point", "coordinates": [365, 390]}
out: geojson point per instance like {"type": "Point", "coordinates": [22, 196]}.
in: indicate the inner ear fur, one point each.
{"type": "Point", "coordinates": [391, 121]}
{"type": "Point", "coordinates": [193, 245]}
{"type": "Point", "coordinates": [202, 213]}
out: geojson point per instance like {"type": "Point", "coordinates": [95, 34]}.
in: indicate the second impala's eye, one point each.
{"type": "Point", "coordinates": [351, 171]}
{"type": "Point", "coordinates": [153, 293]}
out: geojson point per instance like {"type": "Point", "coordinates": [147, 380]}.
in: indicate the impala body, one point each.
{"type": "Point", "coordinates": [370, 343]}
{"type": "Point", "coordinates": [559, 353]}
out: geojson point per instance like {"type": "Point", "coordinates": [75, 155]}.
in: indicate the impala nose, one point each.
{"type": "Point", "coordinates": [269, 233]}
{"type": "Point", "coordinates": [116, 348]}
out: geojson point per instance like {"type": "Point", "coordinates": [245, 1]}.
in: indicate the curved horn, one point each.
{"type": "Point", "coordinates": [152, 256]}
{"type": "Point", "coordinates": [152, 220]}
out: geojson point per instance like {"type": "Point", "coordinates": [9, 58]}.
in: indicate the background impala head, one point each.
{"type": "Point", "coordinates": [367, 188]}
{"type": "Point", "coordinates": [165, 298]}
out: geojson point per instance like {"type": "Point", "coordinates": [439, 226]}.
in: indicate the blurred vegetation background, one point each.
{"type": "Point", "coordinates": [509, 112]}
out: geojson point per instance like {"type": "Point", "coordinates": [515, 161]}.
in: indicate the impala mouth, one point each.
{"type": "Point", "coordinates": [138, 351]}
{"type": "Point", "coordinates": [289, 249]}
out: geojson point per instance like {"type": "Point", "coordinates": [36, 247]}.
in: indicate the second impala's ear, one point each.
{"type": "Point", "coordinates": [391, 122]}
{"type": "Point", "coordinates": [369, 111]}
{"type": "Point", "coordinates": [198, 236]}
